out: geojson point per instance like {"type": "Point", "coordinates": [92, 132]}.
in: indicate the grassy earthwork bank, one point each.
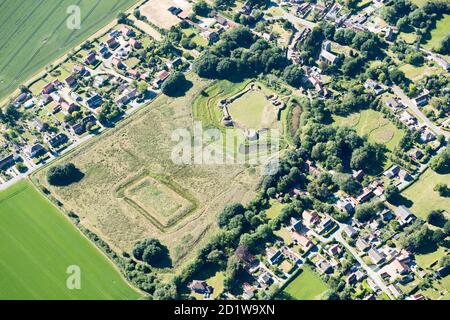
{"type": "Point", "coordinates": [38, 244]}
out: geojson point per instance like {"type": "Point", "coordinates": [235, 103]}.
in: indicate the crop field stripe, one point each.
{"type": "Point", "coordinates": [34, 235]}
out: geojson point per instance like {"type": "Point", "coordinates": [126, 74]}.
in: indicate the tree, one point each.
{"type": "Point", "coordinates": [442, 189]}
{"type": "Point", "coordinates": [201, 8]}
{"type": "Point", "coordinates": [230, 211]}
{"type": "Point", "coordinates": [441, 162]}
{"type": "Point", "coordinates": [63, 175]}
{"type": "Point", "coordinates": [121, 17]}
{"type": "Point", "coordinates": [444, 47]}
{"type": "Point", "coordinates": [174, 84]}
{"type": "Point", "coordinates": [436, 218]}
{"type": "Point", "coordinates": [391, 192]}
{"type": "Point", "coordinates": [416, 237]}
{"type": "Point", "coordinates": [293, 75]}
{"type": "Point", "coordinates": [166, 291]}
{"type": "Point", "coordinates": [206, 66]}
{"type": "Point", "coordinates": [447, 228]}
{"type": "Point", "coordinates": [226, 68]}
{"type": "Point", "coordinates": [367, 211]}
{"type": "Point", "coordinates": [347, 184]}
{"type": "Point", "coordinates": [150, 251]}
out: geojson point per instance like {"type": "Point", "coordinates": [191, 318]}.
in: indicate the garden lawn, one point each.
{"type": "Point", "coordinates": [439, 33]}
{"type": "Point", "coordinates": [38, 244]}
{"type": "Point", "coordinates": [421, 198]}
{"type": "Point", "coordinates": [306, 286]}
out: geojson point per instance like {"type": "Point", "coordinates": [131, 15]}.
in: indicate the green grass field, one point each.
{"type": "Point", "coordinates": [417, 73]}
{"type": "Point", "coordinates": [439, 33]}
{"type": "Point", "coordinates": [306, 286]}
{"type": "Point", "coordinates": [423, 198]}
{"type": "Point", "coordinates": [372, 123]}
{"type": "Point", "coordinates": [34, 33]}
{"type": "Point", "coordinates": [253, 111]}
{"type": "Point", "coordinates": [38, 244]}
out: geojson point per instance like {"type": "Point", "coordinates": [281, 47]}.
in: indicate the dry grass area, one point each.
{"type": "Point", "coordinates": [133, 161]}
{"type": "Point", "coordinates": [157, 12]}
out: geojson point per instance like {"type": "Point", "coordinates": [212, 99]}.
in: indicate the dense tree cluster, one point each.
{"type": "Point", "coordinates": [367, 211]}
{"type": "Point", "coordinates": [174, 84]}
{"type": "Point", "coordinates": [417, 237]}
{"type": "Point", "coordinates": [339, 148]}
{"type": "Point", "coordinates": [441, 162]}
{"type": "Point", "coordinates": [240, 53]}
{"type": "Point", "coordinates": [64, 174]}
{"type": "Point", "coordinates": [151, 251]}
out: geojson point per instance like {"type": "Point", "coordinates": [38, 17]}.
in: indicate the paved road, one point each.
{"type": "Point", "coordinates": [423, 118]}
{"type": "Point", "coordinates": [9, 183]}
{"type": "Point", "coordinates": [296, 20]}
{"type": "Point", "coordinates": [370, 273]}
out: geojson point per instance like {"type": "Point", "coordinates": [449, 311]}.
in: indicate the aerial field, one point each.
{"type": "Point", "coordinates": [34, 33]}
{"type": "Point", "coordinates": [421, 198]}
{"type": "Point", "coordinates": [306, 286]}
{"type": "Point", "coordinates": [253, 111]}
{"type": "Point", "coordinates": [439, 33]}
{"type": "Point", "coordinates": [372, 123]}
{"type": "Point", "coordinates": [38, 244]}
{"type": "Point", "coordinates": [129, 172]}
{"type": "Point", "coordinates": [157, 12]}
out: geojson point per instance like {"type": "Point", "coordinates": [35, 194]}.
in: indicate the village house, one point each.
{"type": "Point", "coordinates": [303, 241]}
{"type": "Point", "coordinates": [427, 136]}
{"type": "Point", "coordinates": [404, 216]}
{"type": "Point", "coordinates": [200, 286]}
{"type": "Point", "coordinates": [394, 270]}
{"type": "Point", "coordinates": [35, 150]}
{"type": "Point", "coordinates": [70, 81]}
{"type": "Point", "coordinates": [273, 255]}
{"type": "Point", "coordinates": [69, 108]}
{"type": "Point", "coordinates": [373, 86]}
{"type": "Point", "coordinates": [392, 171]}
{"type": "Point", "coordinates": [24, 96]}
{"type": "Point", "coordinates": [349, 231]}
{"type": "Point", "coordinates": [345, 205]}
{"type": "Point", "coordinates": [362, 245]}
{"type": "Point", "coordinates": [415, 154]}
{"type": "Point", "coordinates": [310, 218]}
{"type": "Point", "coordinates": [248, 291]}
{"type": "Point", "coordinates": [112, 43]}
{"type": "Point", "coordinates": [376, 256]}
{"type": "Point", "coordinates": [396, 292]}
{"type": "Point", "coordinates": [393, 104]}
{"type": "Point", "coordinates": [422, 99]}
{"type": "Point", "coordinates": [324, 266]}
{"type": "Point", "coordinates": [94, 101]}
{"type": "Point", "coordinates": [91, 59]}
{"type": "Point", "coordinates": [265, 279]}
{"type": "Point", "coordinates": [136, 44]}
{"type": "Point", "coordinates": [126, 31]}
{"type": "Point", "coordinates": [99, 81]}
{"type": "Point", "coordinates": [78, 129]}
{"type": "Point", "coordinates": [160, 78]}
{"type": "Point", "coordinates": [7, 162]}
{"type": "Point", "coordinates": [57, 140]}
{"type": "Point", "coordinates": [117, 63]}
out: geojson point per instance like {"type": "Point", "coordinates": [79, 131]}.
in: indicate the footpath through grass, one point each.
{"type": "Point", "coordinates": [38, 244]}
